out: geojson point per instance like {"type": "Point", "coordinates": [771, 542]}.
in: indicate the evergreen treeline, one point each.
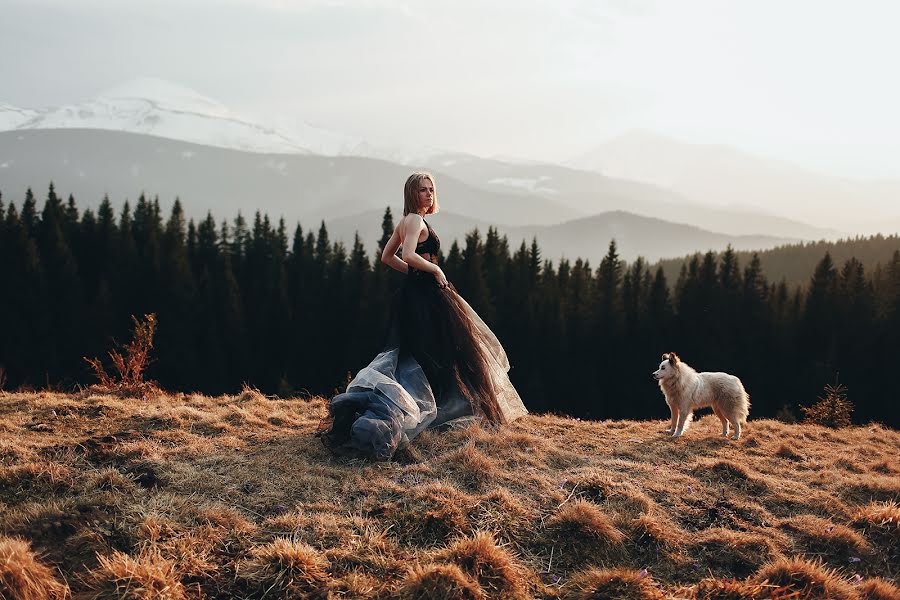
{"type": "Point", "coordinates": [794, 262]}
{"type": "Point", "coordinates": [288, 312]}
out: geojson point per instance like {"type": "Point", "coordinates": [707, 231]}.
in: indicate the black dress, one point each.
{"type": "Point", "coordinates": [441, 363]}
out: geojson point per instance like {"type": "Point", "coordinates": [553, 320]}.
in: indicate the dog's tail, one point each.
{"type": "Point", "coordinates": [745, 404]}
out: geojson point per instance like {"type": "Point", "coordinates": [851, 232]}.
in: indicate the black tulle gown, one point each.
{"type": "Point", "coordinates": [441, 364]}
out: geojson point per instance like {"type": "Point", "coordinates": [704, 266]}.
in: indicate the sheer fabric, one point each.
{"type": "Point", "coordinates": [441, 365]}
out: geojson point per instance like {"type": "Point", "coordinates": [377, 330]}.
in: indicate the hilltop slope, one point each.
{"type": "Point", "coordinates": [234, 496]}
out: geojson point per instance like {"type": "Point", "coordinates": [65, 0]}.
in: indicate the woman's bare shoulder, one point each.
{"type": "Point", "coordinates": [411, 220]}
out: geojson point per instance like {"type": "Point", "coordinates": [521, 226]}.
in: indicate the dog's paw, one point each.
{"type": "Point", "coordinates": [735, 437]}
{"type": "Point", "coordinates": [677, 434]}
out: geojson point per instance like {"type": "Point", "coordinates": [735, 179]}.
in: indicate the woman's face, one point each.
{"type": "Point", "coordinates": [425, 194]}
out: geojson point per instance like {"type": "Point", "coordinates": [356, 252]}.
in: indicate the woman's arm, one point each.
{"type": "Point", "coordinates": [412, 224]}
{"type": "Point", "coordinates": [389, 256]}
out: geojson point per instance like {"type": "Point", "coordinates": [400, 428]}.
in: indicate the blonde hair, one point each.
{"type": "Point", "coordinates": [411, 193]}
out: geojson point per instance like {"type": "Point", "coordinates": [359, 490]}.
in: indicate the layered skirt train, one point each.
{"type": "Point", "coordinates": [441, 365]}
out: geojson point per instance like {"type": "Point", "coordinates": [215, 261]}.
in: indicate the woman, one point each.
{"type": "Point", "coordinates": [441, 363]}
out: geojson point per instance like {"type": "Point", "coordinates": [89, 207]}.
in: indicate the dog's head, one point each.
{"type": "Point", "coordinates": [667, 368]}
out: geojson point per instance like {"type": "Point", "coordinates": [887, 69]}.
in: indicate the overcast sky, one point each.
{"type": "Point", "coordinates": [813, 81]}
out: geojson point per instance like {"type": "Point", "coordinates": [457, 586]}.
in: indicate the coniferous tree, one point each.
{"type": "Point", "coordinates": [609, 275]}
{"type": "Point", "coordinates": [453, 265]}
{"type": "Point", "coordinates": [64, 301]}
{"type": "Point", "coordinates": [23, 321]}
{"type": "Point", "coordinates": [473, 284]}
{"type": "Point", "coordinates": [29, 212]}
{"type": "Point", "coordinates": [176, 352]}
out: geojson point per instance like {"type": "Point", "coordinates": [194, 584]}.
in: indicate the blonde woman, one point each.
{"type": "Point", "coordinates": [441, 363]}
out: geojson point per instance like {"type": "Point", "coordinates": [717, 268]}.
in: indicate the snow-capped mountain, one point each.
{"type": "Point", "coordinates": [12, 117]}
{"type": "Point", "coordinates": [165, 109]}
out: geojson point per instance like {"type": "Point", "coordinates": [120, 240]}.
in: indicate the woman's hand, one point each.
{"type": "Point", "coordinates": [441, 278]}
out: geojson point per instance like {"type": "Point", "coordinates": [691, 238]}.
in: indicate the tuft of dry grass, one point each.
{"type": "Point", "coordinates": [426, 516]}
{"type": "Point", "coordinates": [492, 566]}
{"type": "Point", "coordinates": [611, 584]}
{"type": "Point", "coordinates": [724, 552]}
{"type": "Point", "coordinates": [439, 582]}
{"type": "Point", "coordinates": [820, 537]}
{"type": "Point", "coordinates": [285, 568]}
{"type": "Point", "coordinates": [147, 576]}
{"type": "Point", "coordinates": [880, 523]}
{"type": "Point", "coordinates": [879, 589]}
{"type": "Point", "coordinates": [785, 451]}
{"type": "Point", "coordinates": [730, 474]}
{"type": "Point", "coordinates": [581, 532]}
{"type": "Point", "coordinates": [805, 579]}
{"type": "Point", "coordinates": [470, 467]}
{"type": "Point", "coordinates": [23, 576]}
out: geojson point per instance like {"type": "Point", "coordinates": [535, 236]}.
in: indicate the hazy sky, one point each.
{"type": "Point", "coordinates": [813, 81]}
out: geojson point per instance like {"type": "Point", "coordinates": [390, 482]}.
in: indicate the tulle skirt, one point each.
{"type": "Point", "coordinates": [441, 365]}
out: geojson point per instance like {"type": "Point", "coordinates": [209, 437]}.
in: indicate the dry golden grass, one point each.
{"type": "Point", "coordinates": [493, 567]}
{"type": "Point", "coordinates": [190, 496]}
{"type": "Point", "coordinates": [611, 584]}
{"type": "Point", "coordinates": [23, 576]}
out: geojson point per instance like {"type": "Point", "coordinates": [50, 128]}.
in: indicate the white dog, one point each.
{"type": "Point", "coordinates": [686, 390]}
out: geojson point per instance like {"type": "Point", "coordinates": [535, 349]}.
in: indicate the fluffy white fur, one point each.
{"type": "Point", "coordinates": [686, 390]}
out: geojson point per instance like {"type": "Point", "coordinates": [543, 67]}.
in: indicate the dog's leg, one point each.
{"type": "Point", "coordinates": [674, 412]}
{"type": "Point", "coordinates": [684, 416]}
{"type": "Point", "coordinates": [737, 430]}
{"type": "Point", "coordinates": [722, 418]}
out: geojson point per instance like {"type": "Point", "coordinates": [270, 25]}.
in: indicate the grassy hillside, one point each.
{"type": "Point", "coordinates": [188, 496]}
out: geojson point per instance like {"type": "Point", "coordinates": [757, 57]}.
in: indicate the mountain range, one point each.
{"type": "Point", "coordinates": [167, 140]}
{"type": "Point", "coordinates": [721, 176]}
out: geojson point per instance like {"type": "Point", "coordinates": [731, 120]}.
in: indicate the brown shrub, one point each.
{"type": "Point", "coordinates": [805, 579]}
{"type": "Point", "coordinates": [580, 531]}
{"type": "Point", "coordinates": [130, 363]}
{"type": "Point", "coordinates": [23, 576]}
{"type": "Point", "coordinates": [879, 589]}
{"type": "Point", "coordinates": [439, 582]}
{"type": "Point", "coordinates": [611, 584]}
{"type": "Point", "coordinates": [149, 576]}
{"type": "Point", "coordinates": [285, 568]}
{"type": "Point", "coordinates": [492, 566]}
{"type": "Point", "coordinates": [731, 554]}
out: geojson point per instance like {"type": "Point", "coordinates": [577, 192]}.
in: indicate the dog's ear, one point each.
{"type": "Point", "coordinates": [673, 359]}
{"type": "Point", "coordinates": [665, 356]}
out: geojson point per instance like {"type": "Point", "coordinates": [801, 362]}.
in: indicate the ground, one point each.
{"type": "Point", "coordinates": [190, 496]}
